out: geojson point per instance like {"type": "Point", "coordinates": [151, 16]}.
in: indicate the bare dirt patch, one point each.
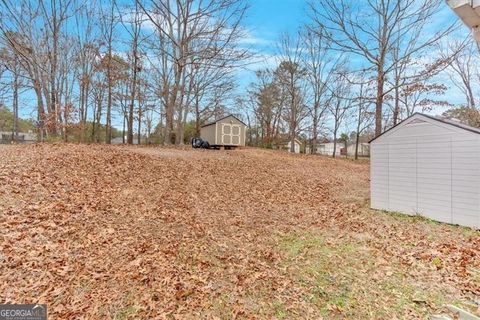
{"type": "Point", "coordinates": [115, 232]}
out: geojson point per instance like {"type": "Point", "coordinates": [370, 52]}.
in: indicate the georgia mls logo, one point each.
{"type": "Point", "coordinates": [23, 312]}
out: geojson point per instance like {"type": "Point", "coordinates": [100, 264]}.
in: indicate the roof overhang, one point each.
{"type": "Point", "coordinates": [428, 118]}
{"type": "Point", "coordinates": [213, 122]}
{"type": "Point", "coordinates": [469, 12]}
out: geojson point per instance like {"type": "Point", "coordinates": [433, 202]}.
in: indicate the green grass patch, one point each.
{"type": "Point", "coordinates": [340, 279]}
{"type": "Point", "coordinates": [126, 313]}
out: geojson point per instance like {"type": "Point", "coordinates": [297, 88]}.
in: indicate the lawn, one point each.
{"type": "Point", "coordinates": [141, 233]}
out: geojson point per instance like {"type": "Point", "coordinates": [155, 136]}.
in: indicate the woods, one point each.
{"type": "Point", "coordinates": [154, 71]}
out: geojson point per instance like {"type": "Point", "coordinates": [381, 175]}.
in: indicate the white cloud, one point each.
{"type": "Point", "coordinates": [252, 39]}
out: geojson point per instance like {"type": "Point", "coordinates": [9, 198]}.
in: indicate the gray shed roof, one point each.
{"type": "Point", "coordinates": [442, 120]}
{"type": "Point", "coordinates": [230, 115]}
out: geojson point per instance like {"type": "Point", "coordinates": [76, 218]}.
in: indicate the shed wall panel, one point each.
{"type": "Point", "coordinates": [379, 176]}
{"type": "Point", "coordinates": [208, 133]}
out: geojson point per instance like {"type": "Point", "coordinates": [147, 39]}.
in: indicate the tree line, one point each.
{"type": "Point", "coordinates": [162, 68]}
{"type": "Point", "coordinates": [112, 63]}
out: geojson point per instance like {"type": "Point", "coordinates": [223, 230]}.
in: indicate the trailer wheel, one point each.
{"type": "Point", "coordinates": [197, 142]}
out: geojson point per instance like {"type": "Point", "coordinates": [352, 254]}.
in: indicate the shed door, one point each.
{"type": "Point", "coordinates": [236, 134]}
{"type": "Point", "coordinates": [231, 134]}
{"type": "Point", "coordinates": [226, 133]}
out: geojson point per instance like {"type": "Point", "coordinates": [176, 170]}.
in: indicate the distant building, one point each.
{"type": "Point", "coordinates": [327, 148]}
{"type": "Point", "coordinates": [363, 149]}
{"type": "Point", "coordinates": [297, 146]}
{"type": "Point", "coordinates": [6, 137]}
{"type": "Point", "coordinates": [118, 140]}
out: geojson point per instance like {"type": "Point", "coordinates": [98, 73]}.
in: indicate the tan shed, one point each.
{"type": "Point", "coordinates": [228, 131]}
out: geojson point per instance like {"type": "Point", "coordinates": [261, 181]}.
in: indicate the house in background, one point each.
{"type": "Point", "coordinates": [6, 137]}
{"type": "Point", "coordinates": [120, 140]}
{"type": "Point", "coordinates": [326, 148]}
{"type": "Point", "coordinates": [363, 150]}
{"type": "Point", "coordinates": [297, 146]}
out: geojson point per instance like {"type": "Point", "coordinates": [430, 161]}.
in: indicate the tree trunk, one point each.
{"type": "Point", "coordinates": [379, 102]}
{"type": "Point", "coordinates": [98, 116]}
{"type": "Point", "coordinates": [396, 109]}
{"type": "Point", "coordinates": [197, 117]}
{"type": "Point", "coordinates": [314, 131]}
{"type": "Point", "coordinates": [108, 127]}
{"type": "Point", "coordinates": [130, 111]}
{"type": "Point", "coordinates": [293, 114]}
{"type": "Point", "coordinates": [139, 129]}
{"type": "Point", "coordinates": [356, 144]}
{"type": "Point", "coordinates": [334, 143]}
{"type": "Point", "coordinates": [123, 129]}
{"type": "Point", "coordinates": [41, 111]}
{"type": "Point", "coordinates": [15, 103]}
{"type": "Point", "coordinates": [357, 135]}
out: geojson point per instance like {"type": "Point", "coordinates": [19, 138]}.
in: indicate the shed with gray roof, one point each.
{"type": "Point", "coordinates": [428, 166]}
{"type": "Point", "coordinates": [228, 131]}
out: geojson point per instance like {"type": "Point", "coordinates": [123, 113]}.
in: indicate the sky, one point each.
{"type": "Point", "coordinates": [266, 20]}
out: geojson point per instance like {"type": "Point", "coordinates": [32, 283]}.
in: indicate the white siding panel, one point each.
{"type": "Point", "coordinates": [402, 177]}
{"type": "Point", "coordinates": [466, 182]}
{"type": "Point", "coordinates": [379, 176]}
{"type": "Point", "coordinates": [434, 180]}
{"type": "Point", "coordinates": [426, 129]}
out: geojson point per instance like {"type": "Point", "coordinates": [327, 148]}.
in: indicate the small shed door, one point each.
{"type": "Point", "coordinates": [236, 134]}
{"type": "Point", "coordinates": [231, 134]}
{"type": "Point", "coordinates": [226, 133]}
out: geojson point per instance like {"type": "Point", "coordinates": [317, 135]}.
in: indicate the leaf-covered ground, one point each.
{"type": "Point", "coordinates": [101, 232]}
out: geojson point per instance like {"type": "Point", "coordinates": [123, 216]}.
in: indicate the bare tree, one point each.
{"type": "Point", "coordinates": [290, 75]}
{"type": "Point", "coordinates": [339, 104]}
{"type": "Point", "coordinates": [9, 63]}
{"type": "Point", "coordinates": [320, 67]}
{"type": "Point", "coordinates": [192, 34]}
{"type": "Point", "coordinates": [35, 30]}
{"type": "Point", "coordinates": [108, 22]}
{"type": "Point", "coordinates": [370, 29]}
{"type": "Point", "coordinates": [463, 70]}
{"type": "Point", "coordinates": [87, 55]}
{"type": "Point", "coordinates": [268, 103]}
{"type": "Point", "coordinates": [133, 25]}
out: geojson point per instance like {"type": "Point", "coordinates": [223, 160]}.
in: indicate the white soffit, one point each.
{"type": "Point", "coordinates": [467, 11]}
{"type": "Point", "coordinates": [476, 6]}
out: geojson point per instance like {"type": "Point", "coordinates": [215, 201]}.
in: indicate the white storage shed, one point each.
{"type": "Point", "coordinates": [428, 166]}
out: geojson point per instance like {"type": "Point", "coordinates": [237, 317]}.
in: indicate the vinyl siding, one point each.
{"type": "Point", "coordinates": [208, 133]}
{"type": "Point", "coordinates": [428, 169]}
